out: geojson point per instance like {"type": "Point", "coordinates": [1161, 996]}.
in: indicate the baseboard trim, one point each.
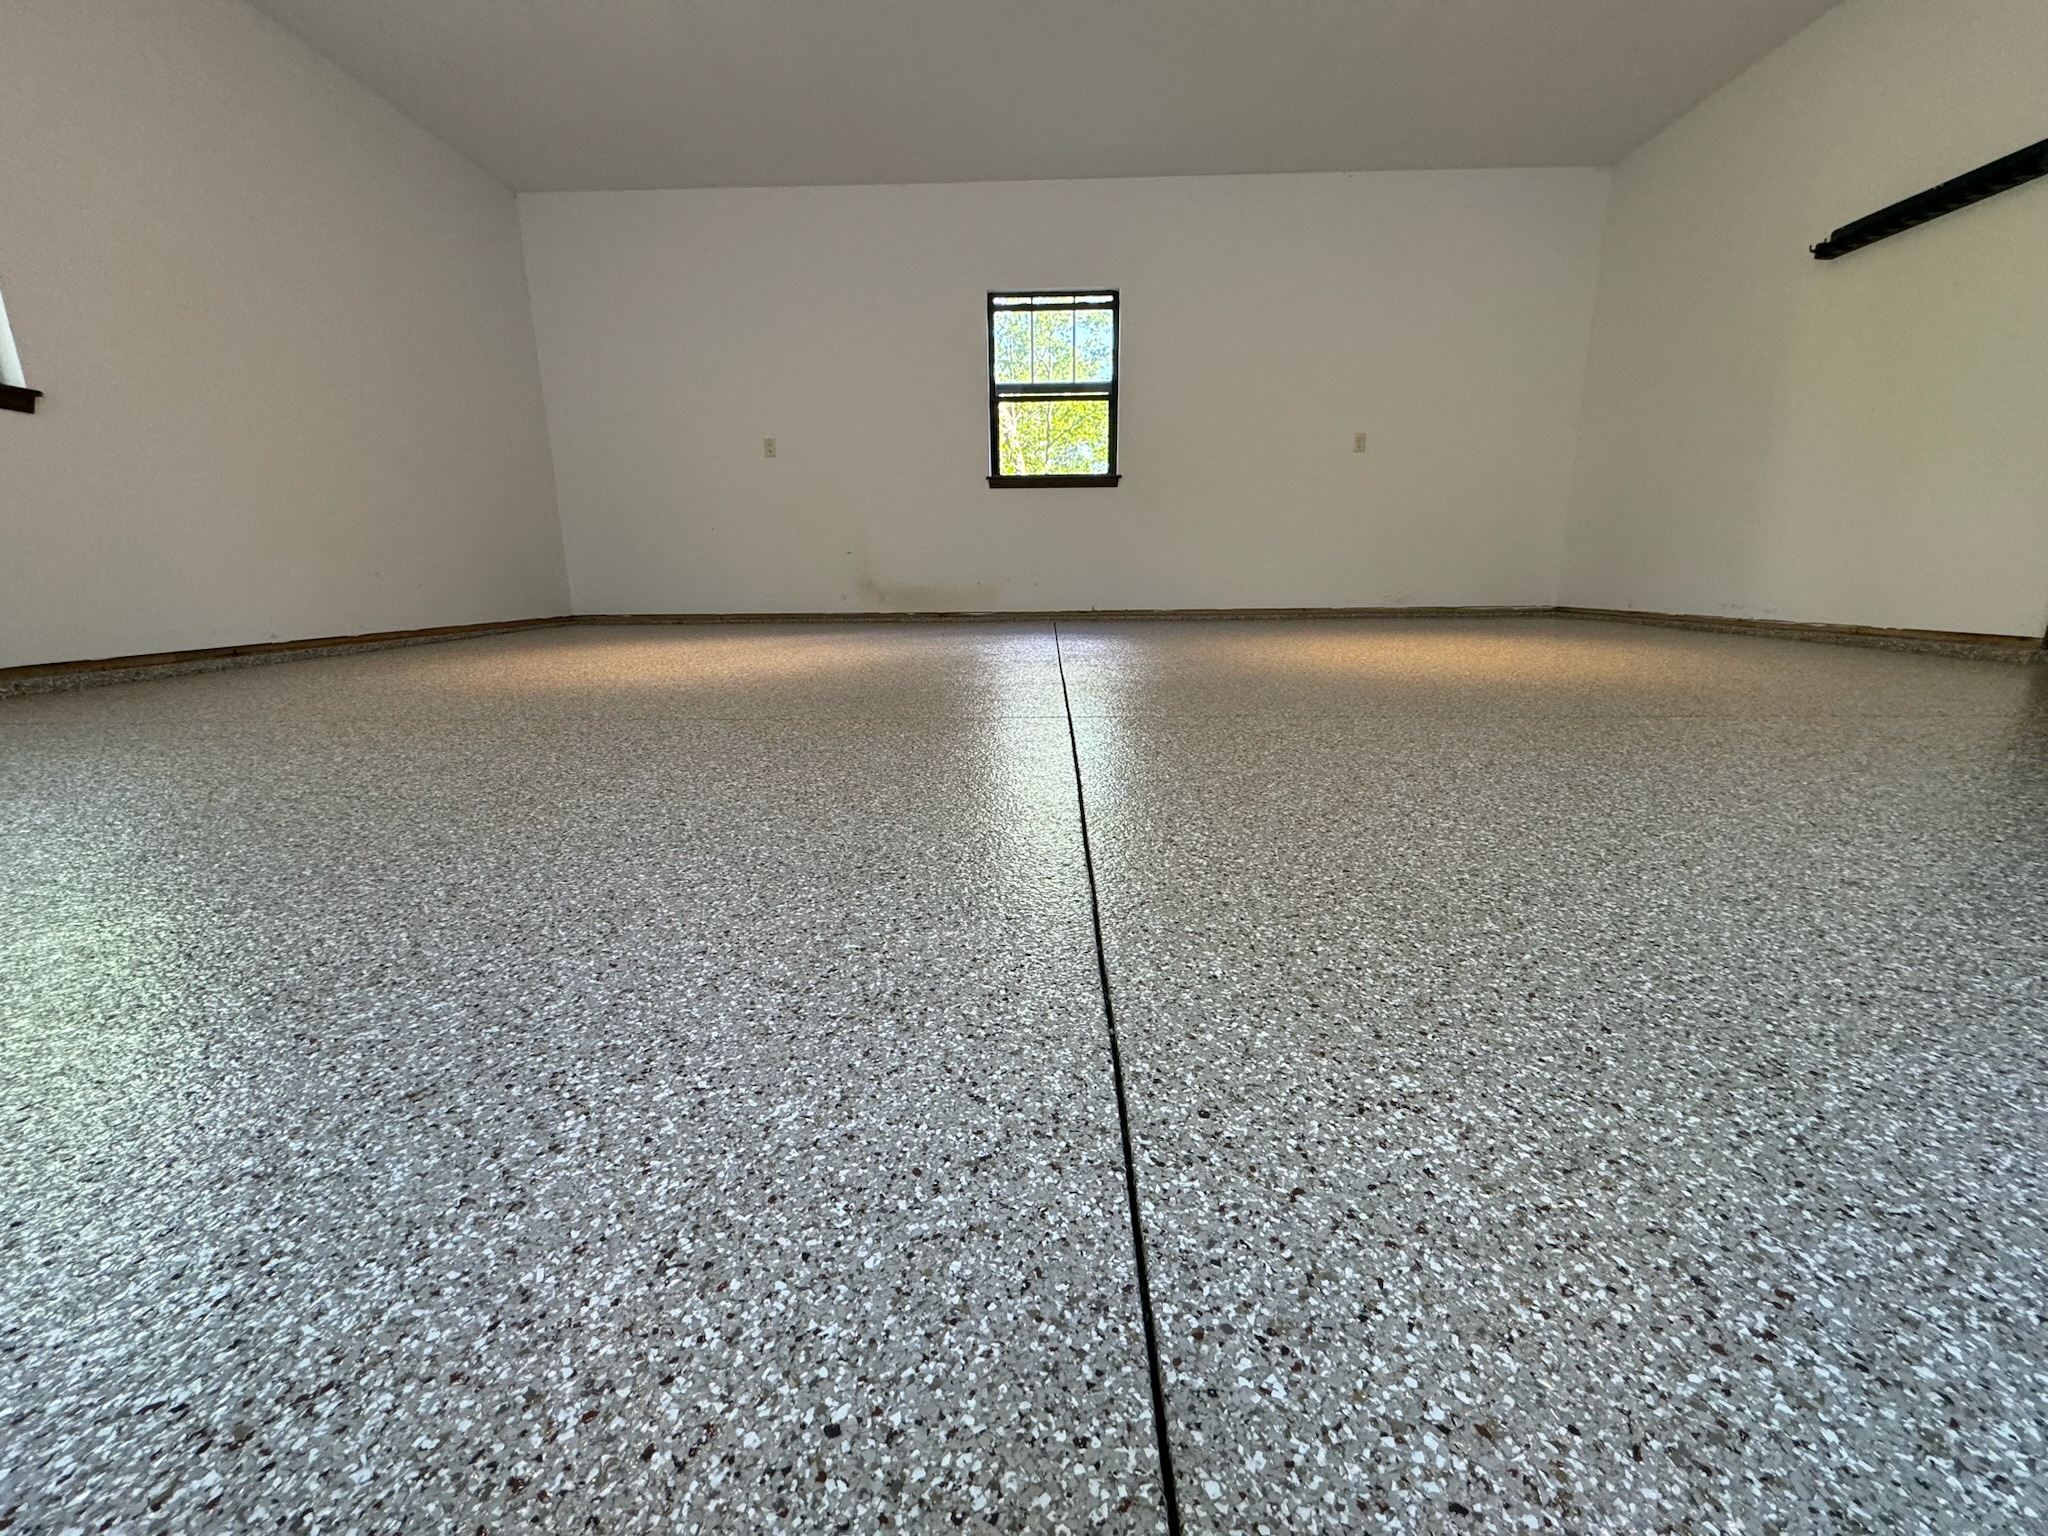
{"type": "Point", "coordinates": [1939, 641]}
{"type": "Point", "coordinates": [1049, 615]}
{"type": "Point", "coordinates": [45, 676]}
{"type": "Point", "coordinates": [41, 676]}
{"type": "Point", "coordinates": [1947, 642]}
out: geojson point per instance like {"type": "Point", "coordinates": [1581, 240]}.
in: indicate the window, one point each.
{"type": "Point", "coordinates": [15, 395]}
{"type": "Point", "coordinates": [1052, 388]}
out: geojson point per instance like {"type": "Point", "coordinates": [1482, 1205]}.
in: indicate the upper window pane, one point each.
{"type": "Point", "coordinates": [1094, 345]}
{"type": "Point", "coordinates": [1052, 347]}
{"type": "Point", "coordinates": [1037, 338]}
{"type": "Point", "coordinates": [1011, 346]}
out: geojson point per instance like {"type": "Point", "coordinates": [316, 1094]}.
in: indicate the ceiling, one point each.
{"type": "Point", "coordinates": [585, 94]}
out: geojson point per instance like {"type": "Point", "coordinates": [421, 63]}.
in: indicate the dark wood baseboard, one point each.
{"type": "Point", "coordinates": [1789, 629]}
{"type": "Point", "coordinates": [1941, 640]}
{"type": "Point", "coordinates": [156, 660]}
{"type": "Point", "coordinates": [1048, 615]}
{"type": "Point", "coordinates": [1948, 642]}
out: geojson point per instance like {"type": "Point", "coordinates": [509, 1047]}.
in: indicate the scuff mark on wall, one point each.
{"type": "Point", "coordinates": [885, 595]}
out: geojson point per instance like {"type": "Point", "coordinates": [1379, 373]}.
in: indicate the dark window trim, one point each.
{"type": "Point", "coordinates": [1049, 482]}
{"type": "Point", "coordinates": [13, 397]}
{"type": "Point", "coordinates": [1110, 299]}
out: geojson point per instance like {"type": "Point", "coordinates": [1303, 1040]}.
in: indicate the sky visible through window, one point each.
{"type": "Point", "coordinates": [1053, 360]}
{"type": "Point", "coordinates": [10, 360]}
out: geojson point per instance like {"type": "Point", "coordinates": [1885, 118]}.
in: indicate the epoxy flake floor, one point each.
{"type": "Point", "coordinates": [1583, 1078]}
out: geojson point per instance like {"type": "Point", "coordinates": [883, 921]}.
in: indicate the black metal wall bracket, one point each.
{"type": "Point", "coordinates": [15, 398]}
{"type": "Point", "coordinates": [2015, 170]}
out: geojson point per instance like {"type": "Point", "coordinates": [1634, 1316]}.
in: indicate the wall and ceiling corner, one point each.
{"type": "Point", "coordinates": [1856, 441]}
{"type": "Point", "coordinates": [792, 93]}
{"type": "Point", "coordinates": [286, 341]}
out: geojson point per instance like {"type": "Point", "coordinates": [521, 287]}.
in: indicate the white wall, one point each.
{"type": "Point", "coordinates": [1266, 319]}
{"type": "Point", "coordinates": [285, 341]}
{"type": "Point", "coordinates": [1862, 441]}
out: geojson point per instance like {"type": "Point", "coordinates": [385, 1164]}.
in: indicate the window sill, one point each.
{"type": "Point", "coordinates": [1049, 482]}
{"type": "Point", "coordinates": [15, 398]}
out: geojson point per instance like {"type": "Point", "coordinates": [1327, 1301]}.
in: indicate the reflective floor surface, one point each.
{"type": "Point", "coordinates": [1582, 1078]}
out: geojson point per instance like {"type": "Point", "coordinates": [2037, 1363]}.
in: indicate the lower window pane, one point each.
{"type": "Point", "coordinates": [1052, 437]}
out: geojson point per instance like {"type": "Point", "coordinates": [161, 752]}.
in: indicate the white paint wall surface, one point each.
{"type": "Point", "coordinates": [284, 338]}
{"type": "Point", "coordinates": [1266, 319]}
{"type": "Point", "coordinates": [1862, 441]}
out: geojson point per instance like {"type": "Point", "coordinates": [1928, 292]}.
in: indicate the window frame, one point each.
{"type": "Point", "coordinates": [997, 393]}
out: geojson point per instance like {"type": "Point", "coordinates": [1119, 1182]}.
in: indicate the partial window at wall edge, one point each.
{"type": "Point", "coordinates": [15, 395]}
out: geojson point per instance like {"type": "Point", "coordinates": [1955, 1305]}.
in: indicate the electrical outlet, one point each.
{"type": "Point", "coordinates": [767, 447]}
{"type": "Point", "coordinates": [1358, 442]}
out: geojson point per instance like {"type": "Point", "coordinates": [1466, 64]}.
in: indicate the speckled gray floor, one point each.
{"type": "Point", "coordinates": [593, 1080]}
{"type": "Point", "coordinates": [1585, 1078]}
